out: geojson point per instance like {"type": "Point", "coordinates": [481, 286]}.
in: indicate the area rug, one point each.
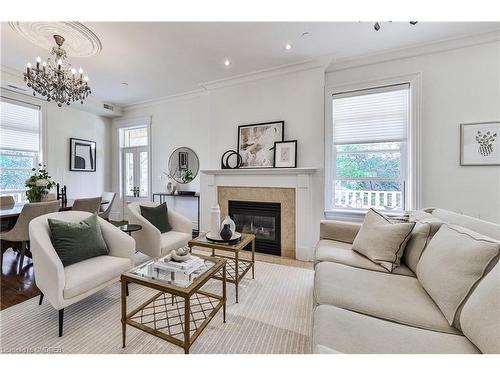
{"type": "Point", "coordinates": [273, 316]}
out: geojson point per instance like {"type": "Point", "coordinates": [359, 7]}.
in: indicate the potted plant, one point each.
{"type": "Point", "coordinates": [39, 184]}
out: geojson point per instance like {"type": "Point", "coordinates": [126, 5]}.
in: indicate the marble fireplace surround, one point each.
{"type": "Point", "coordinates": [284, 196]}
{"type": "Point", "coordinates": [267, 184]}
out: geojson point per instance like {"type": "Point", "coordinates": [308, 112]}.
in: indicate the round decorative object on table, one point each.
{"type": "Point", "coordinates": [235, 238]}
{"type": "Point", "coordinates": [180, 255]}
{"type": "Point", "coordinates": [228, 220]}
{"type": "Point", "coordinates": [226, 232]}
{"type": "Point", "coordinates": [129, 228]}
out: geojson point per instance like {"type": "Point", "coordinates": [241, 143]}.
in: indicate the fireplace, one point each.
{"type": "Point", "coordinates": [260, 218]}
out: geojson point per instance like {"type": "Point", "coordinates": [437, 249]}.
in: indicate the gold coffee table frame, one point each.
{"type": "Point", "coordinates": [236, 267]}
{"type": "Point", "coordinates": [174, 315]}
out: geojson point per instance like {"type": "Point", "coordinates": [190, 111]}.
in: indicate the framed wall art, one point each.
{"type": "Point", "coordinates": [82, 155]}
{"type": "Point", "coordinates": [480, 143]}
{"type": "Point", "coordinates": [285, 154]}
{"type": "Point", "coordinates": [256, 143]}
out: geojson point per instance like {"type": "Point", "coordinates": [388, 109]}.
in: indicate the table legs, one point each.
{"type": "Point", "coordinates": [187, 308]}
{"type": "Point", "coordinates": [124, 312]}
{"type": "Point", "coordinates": [224, 292]}
{"type": "Point", "coordinates": [236, 278]}
{"type": "Point", "coordinates": [253, 259]}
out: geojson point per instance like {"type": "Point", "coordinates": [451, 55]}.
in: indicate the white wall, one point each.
{"type": "Point", "coordinates": [457, 86]}
{"type": "Point", "coordinates": [60, 124]}
{"type": "Point", "coordinates": [208, 123]}
{"type": "Point", "coordinates": [65, 123]}
{"type": "Point", "coordinates": [178, 123]}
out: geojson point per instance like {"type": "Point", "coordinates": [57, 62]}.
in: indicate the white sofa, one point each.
{"type": "Point", "coordinates": [64, 286]}
{"type": "Point", "coordinates": [150, 241]}
{"type": "Point", "coordinates": [359, 307]}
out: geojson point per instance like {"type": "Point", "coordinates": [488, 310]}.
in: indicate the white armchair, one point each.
{"type": "Point", "coordinates": [63, 286]}
{"type": "Point", "coordinates": [150, 241]}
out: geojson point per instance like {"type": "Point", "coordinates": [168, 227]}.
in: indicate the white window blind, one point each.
{"type": "Point", "coordinates": [19, 126]}
{"type": "Point", "coordinates": [371, 116]}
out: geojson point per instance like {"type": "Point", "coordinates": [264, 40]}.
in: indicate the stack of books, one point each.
{"type": "Point", "coordinates": [187, 267]}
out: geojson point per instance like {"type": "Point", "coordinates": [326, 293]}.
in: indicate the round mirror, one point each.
{"type": "Point", "coordinates": [183, 165]}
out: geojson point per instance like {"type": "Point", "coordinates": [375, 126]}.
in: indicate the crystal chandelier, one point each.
{"type": "Point", "coordinates": [57, 80]}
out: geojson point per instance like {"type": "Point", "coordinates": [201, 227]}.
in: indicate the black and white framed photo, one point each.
{"type": "Point", "coordinates": [285, 154]}
{"type": "Point", "coordinates": [480, 143]}
{"type": "Point", "coordinates": [82, 155]}
{"type": "Point", "coordinates": [183, 161]}
{"type": "Point", "coordinates": [256, 143]}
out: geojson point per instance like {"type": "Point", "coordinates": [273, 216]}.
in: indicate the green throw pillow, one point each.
{"type": "Point", "coordinates": [75, 242]}
{"type": "Point", "coordinates": [158, 216]}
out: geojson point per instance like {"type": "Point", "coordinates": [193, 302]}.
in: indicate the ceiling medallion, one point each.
{"type": "Point", "coordinates": [80, 41]}
{"type": "Point", "coordinates": [57, 80]}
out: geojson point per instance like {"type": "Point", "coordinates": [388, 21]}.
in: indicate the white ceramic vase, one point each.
{"type": "Point", "coordinates": [215, 220]}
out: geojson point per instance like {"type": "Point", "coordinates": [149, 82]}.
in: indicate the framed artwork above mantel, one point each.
{"type": "Point", "coordinates": [256, 143]}
{"type": "Point", "coordinates": [82, 155]}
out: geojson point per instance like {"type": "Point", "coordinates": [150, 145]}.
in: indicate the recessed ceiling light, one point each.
{"type": "Point", "coordinates": [288, 47]}
{"type": "Point", "coordinates": [227, 63]}
{"type": "Point", "coordinates": [124, 83]}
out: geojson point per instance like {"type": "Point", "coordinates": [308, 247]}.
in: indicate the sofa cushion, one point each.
{"type": "Point", "coordinates": [480, 318]}
{"type": "Point", "coordinates": [342, 231]}
{"type": "Point", "coordinates": [392, 297]}
{"type": "Point", "coordinates": [341, 252]}
{"type": "Point", "coordinates": [454, 261]}
{"type": "Point", "coordinates": [91, 273]}
{"type": "Point", "coordinates": [158, 216]}
{"type": "Point", "coordinates": [75, 242]}
{"type": "Point", "coordinates": [174, 240]}
{"type": "Point", "coordinates": [477, 225]}
{"type": "Point", "coordinates": [350, 332]}
{"type": "Point", "coordinates": [421, 234]}
{"type": "Point", "coordinates": [382, 241]}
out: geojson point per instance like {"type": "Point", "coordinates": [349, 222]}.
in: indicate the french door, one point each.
{"type": "Point", "coordinates": [135, 175]}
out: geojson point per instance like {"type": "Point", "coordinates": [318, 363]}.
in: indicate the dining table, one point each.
{"type": "Point", "coordinates": [12, 213]}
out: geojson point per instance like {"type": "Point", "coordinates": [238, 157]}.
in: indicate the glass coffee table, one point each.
{"type": "Point", "coordinates": [236, 267]}
{"type": "Point", "coordinates": [180, 311]}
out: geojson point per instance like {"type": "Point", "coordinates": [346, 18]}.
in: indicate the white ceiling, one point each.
{"type": "Point", "coordinates": [159, 59]}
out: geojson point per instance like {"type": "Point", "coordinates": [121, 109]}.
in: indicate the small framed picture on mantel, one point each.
{"type": "Point", "coordinates": [285, 154]}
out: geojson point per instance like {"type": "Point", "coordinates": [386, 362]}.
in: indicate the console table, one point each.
{"type": "Point", "coordinates": [162, 198]}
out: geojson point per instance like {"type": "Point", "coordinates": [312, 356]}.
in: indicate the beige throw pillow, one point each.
{"type": "Point", "coordinates": [381, 241]}
{"type": "Point", "coordinates": [452, 264]}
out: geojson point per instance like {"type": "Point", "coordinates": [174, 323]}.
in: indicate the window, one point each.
{"type": "Point", "coordinates": [19, 146]}
{"type": "Point", "coordinates": [135, 137]}
{"type": "Point", "coordinates": [370, 149]}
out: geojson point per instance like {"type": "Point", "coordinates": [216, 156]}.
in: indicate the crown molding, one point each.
{"type": "Point", "coordinates": [11, 80]}
{"type": "Point", "coordinates": [164, 99]}
{"type": "Point", "coordinates": [413, 51]}
{"type": "Point", "coordinates": [267, 73]}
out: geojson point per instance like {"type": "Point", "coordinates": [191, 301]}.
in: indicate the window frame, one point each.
{"type": "Point", "coordinates": [21, 100]}
{"type": "Point", "coordinates": [410, 163]}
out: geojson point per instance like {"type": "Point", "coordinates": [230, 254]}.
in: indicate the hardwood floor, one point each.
{"type": "Point", "coordinates": [16, 288]}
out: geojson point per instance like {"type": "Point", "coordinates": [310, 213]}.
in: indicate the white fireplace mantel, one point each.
{"type": "Point", "coordinates": [262, 171]}
{"type": "Point", "coordinates": [299, 179]}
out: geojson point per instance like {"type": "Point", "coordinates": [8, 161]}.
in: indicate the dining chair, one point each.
{"type": "Point", "coordinates": [87, 204]}
{"type": "Point", "coordinates": [18, 237]}
{"type": "Point", "coordinates": [108, 196]}
{"type": "Point", "coordinates": [7, 201]}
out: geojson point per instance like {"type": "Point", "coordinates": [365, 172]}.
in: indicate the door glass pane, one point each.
{"type": "Point", "coordinates": [143, 167]}
{"type": "Point", "coordinates": [129, 173]}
